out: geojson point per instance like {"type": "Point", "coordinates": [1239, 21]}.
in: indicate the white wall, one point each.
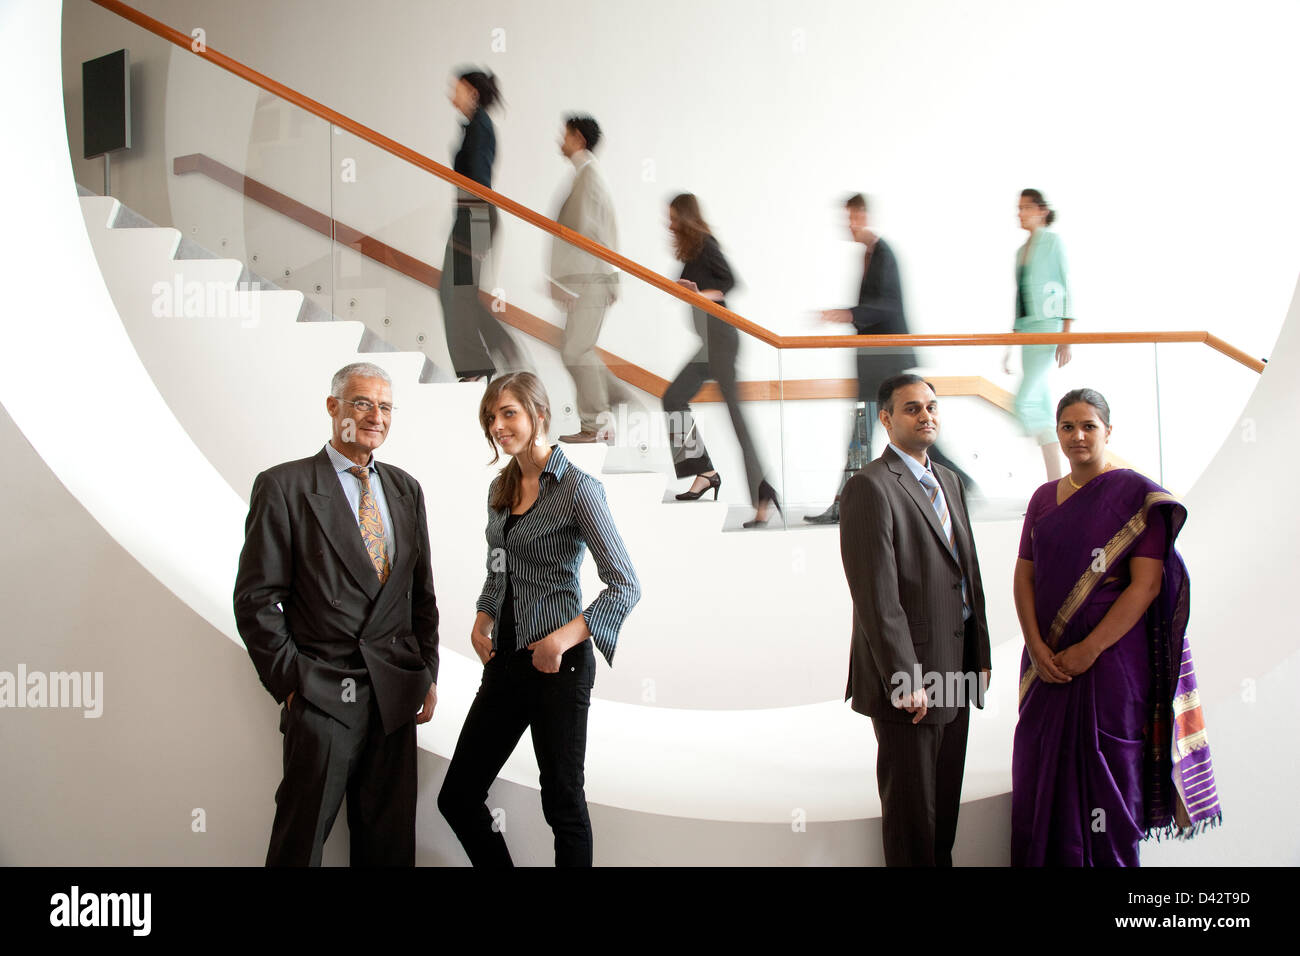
{"type": "Point", "coordinates": [1242, 628]}
{"type": "Point", "coordinates": [1153, 129]}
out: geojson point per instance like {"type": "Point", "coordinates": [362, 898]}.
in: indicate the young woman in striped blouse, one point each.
{"type": "Point", "coordinates": [531, 632]}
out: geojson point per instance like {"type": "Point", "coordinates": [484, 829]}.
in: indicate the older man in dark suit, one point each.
{"type": "Point", "coordinates": [920, 653]}
{"type": "Point", "coordinates": [334, 600]}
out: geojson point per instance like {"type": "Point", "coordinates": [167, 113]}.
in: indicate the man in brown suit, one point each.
{"type": "Point", "coordinates": [920, 651]}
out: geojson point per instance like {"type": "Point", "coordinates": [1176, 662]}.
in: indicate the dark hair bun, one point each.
{"type": "Point", "coordinates": [484, 84]}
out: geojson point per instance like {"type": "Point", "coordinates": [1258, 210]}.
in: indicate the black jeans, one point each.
{"type": "Point", "coordinates": [512, 697]}
{"type": "Point", "coordinates": [716, 359]}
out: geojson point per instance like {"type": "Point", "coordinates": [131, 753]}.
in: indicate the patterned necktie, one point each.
{"type": "Point", "coordinates": [939, 503]}
{"type": "Point", "coordinates": [372, 525]}
{"type": "Point", "coordinates": [940, 506]}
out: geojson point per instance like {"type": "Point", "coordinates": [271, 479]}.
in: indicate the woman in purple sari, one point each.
{"type": "Point", "coordinates": [1110, 746]}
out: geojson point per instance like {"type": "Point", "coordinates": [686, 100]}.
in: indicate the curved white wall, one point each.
{"type": "Point", "coordinates": [157, 732]}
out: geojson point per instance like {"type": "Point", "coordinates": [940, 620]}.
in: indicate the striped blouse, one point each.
{"type": "Point", "coordinates": [543, 556]}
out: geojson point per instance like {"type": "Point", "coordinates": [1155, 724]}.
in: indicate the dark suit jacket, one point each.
{"type": "Point", "coordinates": [719, 342]}
{"type": "Point", "coordinates": [474, 159]}
{"type": "Point", "coordinates": [478, 149]}
{"type": "Point", "coordinates": [308, 602]}
{"type": "Point", "coordinates": [880, 312]}
{"type": "Point", "coordinates": [906, 586]}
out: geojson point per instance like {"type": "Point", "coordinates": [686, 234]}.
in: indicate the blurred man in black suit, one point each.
{"type": "Point", "coordinates": [879, 312]}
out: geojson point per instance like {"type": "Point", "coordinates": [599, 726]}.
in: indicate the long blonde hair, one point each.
{"type": "Point", "coordinates": [526, 388]}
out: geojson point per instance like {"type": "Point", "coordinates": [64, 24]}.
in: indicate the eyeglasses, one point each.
{"type": "Point", "coordinates": [365, 407]}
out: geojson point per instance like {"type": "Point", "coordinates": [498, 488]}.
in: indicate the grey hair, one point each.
{"type": "Point", "coordinates": [356, 369]}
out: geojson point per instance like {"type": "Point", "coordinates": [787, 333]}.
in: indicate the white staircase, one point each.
{"type": "Point", "coordinates": [730, 671]}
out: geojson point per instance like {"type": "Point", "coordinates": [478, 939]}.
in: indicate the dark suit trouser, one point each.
{"type": "Point", "coordinates": [716, 359]}
{"type": "Point", "coordinates": [512, 697]}
{"type": "Point", "coordinates": [919, 769]}
{"type": "Point", "coordinates": [323, 760]}
{"type": "Point", "coordinates": [471, 329]}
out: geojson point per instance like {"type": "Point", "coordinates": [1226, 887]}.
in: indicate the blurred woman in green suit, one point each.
{"type": "Point", "coordinates": [1042, 305]}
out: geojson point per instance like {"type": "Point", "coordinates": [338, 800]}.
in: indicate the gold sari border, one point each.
{"type": "Point", "coordinates": [1121, 541]}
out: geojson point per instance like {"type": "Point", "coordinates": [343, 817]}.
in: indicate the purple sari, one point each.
{"type": "Point", "coordinates": [1119, 753]}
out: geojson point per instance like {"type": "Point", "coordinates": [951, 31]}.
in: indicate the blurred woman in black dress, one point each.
{"type": "Point", "coordinates": [471, 329]}
{"type": "Point", "coordinates": [705, 271]}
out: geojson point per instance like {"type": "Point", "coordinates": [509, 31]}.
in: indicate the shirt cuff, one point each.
{"type": "Point", "coordinates": [604, 619]}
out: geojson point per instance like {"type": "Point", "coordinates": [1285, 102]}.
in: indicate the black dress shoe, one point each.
{"type": "Point", "coordinates": [830, 516]}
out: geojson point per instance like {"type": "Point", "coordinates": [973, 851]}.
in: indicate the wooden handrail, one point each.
{"type": "Point", "coordinates": [421, 161]}
{"type": "Point", "coordinates": [313, 219]}
{"type": "Point", "coordinates": [428, 275]}
{"type": "Point", "coordinates": [1021, 338]}
{"type": "Point", "coordinates": [648, 276]}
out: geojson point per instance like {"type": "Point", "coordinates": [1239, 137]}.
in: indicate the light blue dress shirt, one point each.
{"type": "Point", "coordinates": [917, 469]}
{"type": "Point", "coordinates": [351, 485]}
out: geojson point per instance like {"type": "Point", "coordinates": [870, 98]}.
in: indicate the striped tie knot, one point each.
{"type": "Point", "coordinates": [931, 484]}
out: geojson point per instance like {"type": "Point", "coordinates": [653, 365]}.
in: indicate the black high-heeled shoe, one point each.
{"type": "Point", "coordinates": [715, 482]}
{"type": "Point", "coordinates": [765, 493]}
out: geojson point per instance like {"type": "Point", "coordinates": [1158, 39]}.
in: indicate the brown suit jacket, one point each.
{"type": "Point", "coordinates": [906, 587]}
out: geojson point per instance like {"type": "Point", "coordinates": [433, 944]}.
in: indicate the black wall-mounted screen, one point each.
{"type": "Point", "coordinates": [106, 103]}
